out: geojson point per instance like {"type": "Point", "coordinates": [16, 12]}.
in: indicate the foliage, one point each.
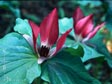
{"type": "Point", "coordinates": [19, 61]}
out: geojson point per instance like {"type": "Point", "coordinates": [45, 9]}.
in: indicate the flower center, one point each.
{"type": "Point", "coordinates": [44, 51]}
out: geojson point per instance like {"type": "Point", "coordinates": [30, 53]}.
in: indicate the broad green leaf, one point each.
{"type": "Point", "coordinates": [65, 68]}
{"type": "Point", "coordinates": [76, 52]}
{"type": "Point", "coordinates": [90, 50]}
{"type": "Point", "coordinates": [18, 62]}
{"type": "Point", "coordinates": [65, 24]}
{"type": "Point", "coordinates": [89, 53]}
{"type": "Point", "coordinates": [22, 27]}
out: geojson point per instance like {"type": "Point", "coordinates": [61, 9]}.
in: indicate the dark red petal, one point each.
{"type": "Point", "coordinates": [87, 28]}
{"type": "Point", "coordinates": [83, 24]}
{"type": "Point", "coordinates": [54, 32]}
{"type": "Point", "coordinates": [78, 14]}
{"type": "Point", "coordinates": [35, 32]}
{"type": "Point", "coordinates": [49, 28]}
{"type": "Point", "coordinates": [61, 41]}
{"type": "Point", "coordinates": [95, 30]}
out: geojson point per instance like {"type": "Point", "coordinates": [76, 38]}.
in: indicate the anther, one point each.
{"type": "Point", "coordinates": [44, 51]}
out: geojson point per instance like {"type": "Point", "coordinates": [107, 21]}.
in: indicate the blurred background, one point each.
{"type": "Point", "coordinates": [37, 10]}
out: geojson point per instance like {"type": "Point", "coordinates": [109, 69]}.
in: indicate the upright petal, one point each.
{"type": "Point", "coordinates": [78, 14]}
{"type": "Point", "coordinates": [35, 32]}
{"type": "Point", "coordinates": [83, 24]}
{"type": "Point", "coordinates": [87, 28]}
{"type": "Point", "coordinates": [61, 41]}
{"type": "Point", "coordinates": [49, 28]}
{"type": "Point", "coordinates": [91, 34]}
{"type": "Point", "coordinates": [54, 32]}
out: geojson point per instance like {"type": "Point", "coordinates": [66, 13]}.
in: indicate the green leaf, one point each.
{"type": "Point", "coordinates": [90, 53]}
{"type": "Point", "coordinates": [65, 24]}
{"type": "Point", "coordinates": [65, 68]}
{"type": "Point", "coordinates": [22, 27]}
{"type": "Point", "coordinates": [18, 62]}
{"type": "Point", "coordinates": [69, 42]}
{"type": "Point", "coordinates": [76, 52]}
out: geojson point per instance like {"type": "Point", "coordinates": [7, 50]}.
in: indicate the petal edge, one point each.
{"type": "Point", "coordinates": [35, 32]}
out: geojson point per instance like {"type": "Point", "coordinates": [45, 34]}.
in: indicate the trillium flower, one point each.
{"type": "Point", "coordinates": [49, 32]}
{"type": "Point", "coordinates": [83, 26]}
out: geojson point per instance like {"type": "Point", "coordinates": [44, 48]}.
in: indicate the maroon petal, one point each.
{"type": "Point", "coordinates": [90, 35]}
{"type": "Point", "coordinates": [83, 24]}
{"type": "Point", "coordinates": [49, 28]}
{"type": "Point", "coordinates": [35, 32]}
{"type": "Point", "coordinates": [54, 32]}
{"type": "Point", "coordinates": [78, 14]}
{"type": "Point", "coordinates": [87, 28]}
{"type": "Point", "coordinates": [61, 41]}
